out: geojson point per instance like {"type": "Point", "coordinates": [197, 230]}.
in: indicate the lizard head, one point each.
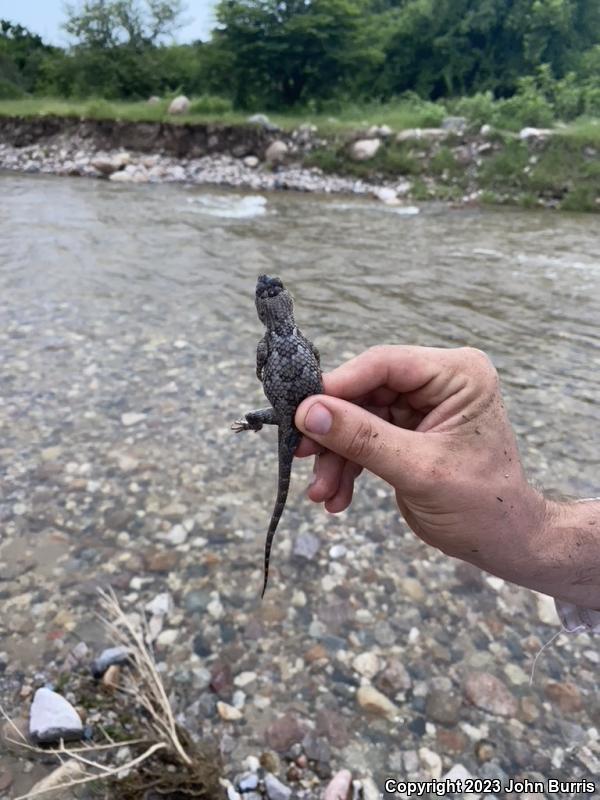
{"type": "Point", "coordinates": [273, 301]}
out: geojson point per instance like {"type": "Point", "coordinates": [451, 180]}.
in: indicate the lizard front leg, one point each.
{"type": "Point", "coordinates": [254, 420]}
{"type": "Point", "coordinates": [262, 353]}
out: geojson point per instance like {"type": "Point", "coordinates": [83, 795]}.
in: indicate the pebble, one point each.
{"type": "Point", "coordinates": [375, 702]}
{"type": "Point", "coordinates": [370, 790]}
{"type": "Point", "coordinates": [108, 657]}
{"type": "Point", "coordinates": [275, 789]}
{"type": "Point", "coordinates": [131, 418]}
{"type": "Point", "coordinates": [306, 545]}
{"type": "Point", "coordinates": [367, 664]}
{"type": "Point", "coordinates": [339, 787]}
{"type": "Point", "coordinates": [431, 762]}
{"type": "Point", "coordinates": [565, 695]}
{"type": "Point", "coordinates": [177, 535]}
{"type": "Point", "coordinates": [489, 693]}
{"type": "Point", "coordinates": [228, 713]}
{"type": "Point", "coordinates": [52, 718]}
{"type": "Point", "coordinates": [443, 707]}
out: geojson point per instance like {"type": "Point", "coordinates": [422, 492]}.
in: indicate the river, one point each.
{"type": "Point", "coordinates": [127, 347]}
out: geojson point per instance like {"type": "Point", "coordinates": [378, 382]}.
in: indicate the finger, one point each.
{"type": "Point", "coordinates": [329, 468]}
{"type": "Point", "coordinates": [308, 447]}
{"type": "Point", "coordinates": [343, 497]}
{"type": "Point", "coordinates": [351, 431]}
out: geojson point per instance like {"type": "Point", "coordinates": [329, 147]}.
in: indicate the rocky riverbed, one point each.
{"type": "Point", "coordinates": [126, 350]}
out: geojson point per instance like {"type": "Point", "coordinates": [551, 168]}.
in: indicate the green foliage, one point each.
{"type": "Point", "coordinates": [211, 104]}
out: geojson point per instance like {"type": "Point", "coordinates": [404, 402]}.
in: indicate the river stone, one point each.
{"type": "Point", "coordinates": [489, 693]}
{"type": "Point", "coordinates": [276, 152]}
{"type": "Point", "coordinates": [275, 789]}
{"type": "Point", "coordinates": [107, 658]}
{"type": "Point", "coordinates": [374, 701]}
{"type": "Point", "coordinates": [340, 786]}
{"type": "Point", "coordinates": [153, 100]}
{"type": "Point", "coordinates": [251, 162]}
{"type": "Point", "coordinates": [179, 105]}
{"type": "Point", "coordinates": [443, 707]}
{"type": "Point", "coordinates": [565, 695]}
{"type": "Point", "coordinates": [263, 122]}
{"type": "Point", "coordinates": [367, 664]}
{"type": "Point", "coordinates": [306, 545]}
{"type": "Point", "coordinates": [52, 718]}
{"type": "Point", "coordinates": [418, 134]}
{"type": "Point", "coordinates": [364, 149]}
{"type": "Point", "coordinates": [431, 762]}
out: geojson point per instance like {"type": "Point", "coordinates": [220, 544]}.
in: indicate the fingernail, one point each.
{"type": "Point", "coordinates": [318, 420]}
{"type": "Point", "coordinates": [313, 477]}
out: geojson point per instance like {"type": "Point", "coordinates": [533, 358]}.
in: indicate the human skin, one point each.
{"type": "Point", "coordinates": [431, 422]}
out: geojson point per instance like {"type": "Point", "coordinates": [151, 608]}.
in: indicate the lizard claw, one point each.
{"type": "Point", "coordinates": [240, 425]}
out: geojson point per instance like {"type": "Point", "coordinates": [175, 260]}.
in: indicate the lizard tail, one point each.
{"type": "Point", "coordinates": [288, 441]}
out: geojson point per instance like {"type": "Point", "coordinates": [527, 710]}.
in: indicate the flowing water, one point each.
{"type": "Point", "coordinates": [127, 343]}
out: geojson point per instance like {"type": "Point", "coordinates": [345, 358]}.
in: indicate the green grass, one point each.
{"type": "Point", "coordinates": [398, 115]}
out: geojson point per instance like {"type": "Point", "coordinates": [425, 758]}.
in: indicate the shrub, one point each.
{"type": "Point", "coordinates": [210, 104]}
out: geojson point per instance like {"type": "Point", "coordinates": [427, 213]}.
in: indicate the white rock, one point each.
{"type": "Point", "coordinates": [177, 535]}
{"type": "Point", "coordinates": [431, 762]}
{"type": "Point", "coordinates": [161, 605]}
{"type": "Point", "coordinates": [251, 161]}
{"type": "Point", "coordinates": [457, 773]}
{"type": "Point", "coordinates": [167, 637]}
{"type": "Point", "coordinates": [535, 133]}
{"type": "Point", "coordinates": [179, 105]}
{"type": "Point", "coordinates": [276, 790]}
{"type": "Point", "coordinates": [485, 130]}
{"type": "Point", "coordinates": [364, 149]}
{"type": "Point", "coordinates": [386, 195]}
{"type": "Point", "coordinates": [418, 134]}
{"type": "Point", "coordinates": [337, 551]}
{"type": "Point", "coordinates": [276, 152]}
{"type": "Point", "coordinates": [546, 609]}
{"type": "Point", "coordinates": [244, 678]}
{"type": "Point", "coordinates": [153, 101]}
{"type": "Point", "coordinates": [227, 712]}
{"type": "Point", "coordinates": [52, 718]}
{"type": "Point", "coordinates": [121, 177]}
{"type": "Point", "coordinates": [130, 417]}
{"type": "Point", "coordinates": [369, 789]}
{"type": "Point", "coordinates": [367, 664]}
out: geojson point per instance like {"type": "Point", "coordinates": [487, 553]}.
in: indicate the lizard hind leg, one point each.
{"type": "Point", "coordinates": [254, 420]}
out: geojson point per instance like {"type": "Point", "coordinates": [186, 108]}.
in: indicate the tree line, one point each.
{"type": "Point", "coordinates": [321, 54]}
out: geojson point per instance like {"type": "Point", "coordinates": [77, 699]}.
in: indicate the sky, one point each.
{"type": "Point", "coordinates": [44, 17]}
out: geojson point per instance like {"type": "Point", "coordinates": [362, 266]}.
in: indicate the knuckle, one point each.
{"type": "Point", "coordinates": [482, 366]}
{"type": "Point", "coordinates": [360, 443]}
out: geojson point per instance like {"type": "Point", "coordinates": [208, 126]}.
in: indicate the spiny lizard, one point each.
{"type": "Point", "coordinates": [288, 365]}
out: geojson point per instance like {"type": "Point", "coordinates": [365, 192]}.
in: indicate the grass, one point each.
{"type": "Point", "coordinates": [398, 115]}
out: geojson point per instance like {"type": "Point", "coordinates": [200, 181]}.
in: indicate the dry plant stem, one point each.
{"type": "Point", "coordinates": [156, 701]}
{"type": "Point", "coordinates": [113, 771]}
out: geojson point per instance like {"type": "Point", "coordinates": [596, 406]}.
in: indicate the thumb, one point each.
{"type": "Point", "coordinates": [361, 437]}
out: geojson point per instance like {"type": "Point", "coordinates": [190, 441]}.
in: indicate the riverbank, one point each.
{"type": "Point", "coordinates": [554, 168]}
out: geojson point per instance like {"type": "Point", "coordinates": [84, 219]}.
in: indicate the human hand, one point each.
{"type": "Point", "coordinates": [430, 422]}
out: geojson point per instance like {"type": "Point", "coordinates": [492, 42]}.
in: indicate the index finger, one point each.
{"type": "Point", "coordinates": [402, 368]}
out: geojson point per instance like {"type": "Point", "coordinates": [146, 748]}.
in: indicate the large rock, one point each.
{"type": "Point", "coordinates": [364, 149]}
{"type": "Point", "coordinates": [276, 152]}
{"type": "Point", "coordinates": [263, 122]}
{"type": "Point", "coordinates": [179, 105]}
{"type": "Point", "coordinates": [53, 718]}
{"type": "Point", "coordinates": [535, 133]}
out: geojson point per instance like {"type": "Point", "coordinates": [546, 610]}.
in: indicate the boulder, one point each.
{"type": "Point", "coordinates": [422, 134]}
{"type": "Point", "coordinates": [53, 718]}
{"type": "Point", "coordinates": [153, 101]}
{"type": "Point", "coordinates": [276, 152]}
{"type": "Point", "coordinates": [386, 195]}
{"type": "Point", "coordinates": [535, 133]}
{"type": "Point", "coordinates": [179, 105]}
{"type": "Point", "coordinates": [364, 149]}
{"type": "Point", "coordinates": [263, 122]}
{"type": "Point", "coordinates": [251, 161]}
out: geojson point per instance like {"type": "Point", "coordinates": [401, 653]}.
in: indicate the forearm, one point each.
{"type": "Point", "coordinates": [568, 564]}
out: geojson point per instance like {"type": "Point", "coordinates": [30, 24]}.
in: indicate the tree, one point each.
{"type": "Point", "coordinates": [102, 24]}
{"type": "Point", "coordinates": [285, 52]}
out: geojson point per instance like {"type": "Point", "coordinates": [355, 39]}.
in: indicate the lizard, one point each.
{"type": "Point", "coordinates": [289, 367]}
